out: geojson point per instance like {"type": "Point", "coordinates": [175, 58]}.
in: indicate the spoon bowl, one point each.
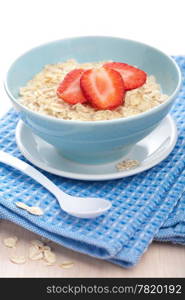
{"type": "Point", "coordinates": [85, 207]}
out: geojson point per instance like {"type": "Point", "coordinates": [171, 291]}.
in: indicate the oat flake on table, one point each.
{"type": "Point", "coordinates": [10, 242]}
{"type": "Point", "coordinates": [49, 257]}
{"type": "Point", "coordinates": [35, 253]}
{"type": "Point", "coordinates": [37, 243]}
{"type": "Point", "coordinates": [18, 259]}
{"type": "Point", "coordinates": [66, 264]}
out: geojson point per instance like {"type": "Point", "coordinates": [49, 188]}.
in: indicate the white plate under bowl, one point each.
{"type": "Point", "coordinates": [149, 152]}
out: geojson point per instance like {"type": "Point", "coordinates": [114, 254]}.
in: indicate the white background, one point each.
{"type": "Point", "coordinates": [26, 24]}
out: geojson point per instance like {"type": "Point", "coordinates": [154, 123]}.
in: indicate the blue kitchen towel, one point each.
{"type": "Point", "coordinates": [147, 206]}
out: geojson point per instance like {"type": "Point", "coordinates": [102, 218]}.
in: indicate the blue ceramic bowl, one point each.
{"type": "Point", "coordinates": [99, 141]}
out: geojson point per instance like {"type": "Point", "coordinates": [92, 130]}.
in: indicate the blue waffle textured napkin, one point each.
{"type": "Point", "coordinates": [147, 206]}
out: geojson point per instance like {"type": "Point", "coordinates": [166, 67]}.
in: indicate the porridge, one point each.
{"type": "Point", "coordinates": [50, 91]}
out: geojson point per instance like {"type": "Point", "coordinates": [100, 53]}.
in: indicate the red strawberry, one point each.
{"type": "Point", "coordinates": [132, 77]}
{"type": "Point", "coordinates": [103, 88]}
{"type": "Point", "coordinates": [69, 89]}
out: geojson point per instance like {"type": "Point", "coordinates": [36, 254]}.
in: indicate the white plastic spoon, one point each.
{"type": "Point", "coordinates": [75, 206]}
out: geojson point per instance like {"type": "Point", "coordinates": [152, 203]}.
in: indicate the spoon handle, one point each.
{"type": "Point", "coordinates": [32, 172]}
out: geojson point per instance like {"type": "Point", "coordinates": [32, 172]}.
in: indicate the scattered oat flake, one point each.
{"type": "Point", "coordinates": [45, 240]}
{"type": "Point", "coordinates": [37, 243]}
{"type": "Point", "coordinates": [66, 265]}
{"type": "Point", "coordinates": [22, 205]}
{"type": "Point", "coordinates": [48, 264]}
{"type": "Point", "coordinates": [49, 257]}
{"type": "Point", "coordinates": [127, 164]}
{"type": "Point", "coordinates": [47, 248]}
{"type": "Point", "coordinates": [34, 210]}
{"type": "Point", "coordinates": [10, 242]}
{"type": "Point", "coordinates": [35, 253]}
{"type": "Point", "coordinates": [18, 259]}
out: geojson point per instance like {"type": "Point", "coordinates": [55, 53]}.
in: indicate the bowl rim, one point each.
{"type": "Point", "coordinates": [99, 122]}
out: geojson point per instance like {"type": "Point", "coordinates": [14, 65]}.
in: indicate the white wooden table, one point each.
{"type": "Point", "coordinates": [156, 22]}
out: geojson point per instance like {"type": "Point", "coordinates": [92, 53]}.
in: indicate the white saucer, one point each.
{"type": "Point", "coordinates": [149, 152]}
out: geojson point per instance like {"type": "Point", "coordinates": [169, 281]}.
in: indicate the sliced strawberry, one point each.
{"type": "Point", "coordinates": [103, 88]}
{"type": "Point", "coordinates": [69, 89]}
{"type": "Point", "coordinates": [132, 77]}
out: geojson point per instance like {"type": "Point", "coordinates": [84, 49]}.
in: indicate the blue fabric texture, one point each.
{"type": "Point", "coordinates": [147, 206]}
